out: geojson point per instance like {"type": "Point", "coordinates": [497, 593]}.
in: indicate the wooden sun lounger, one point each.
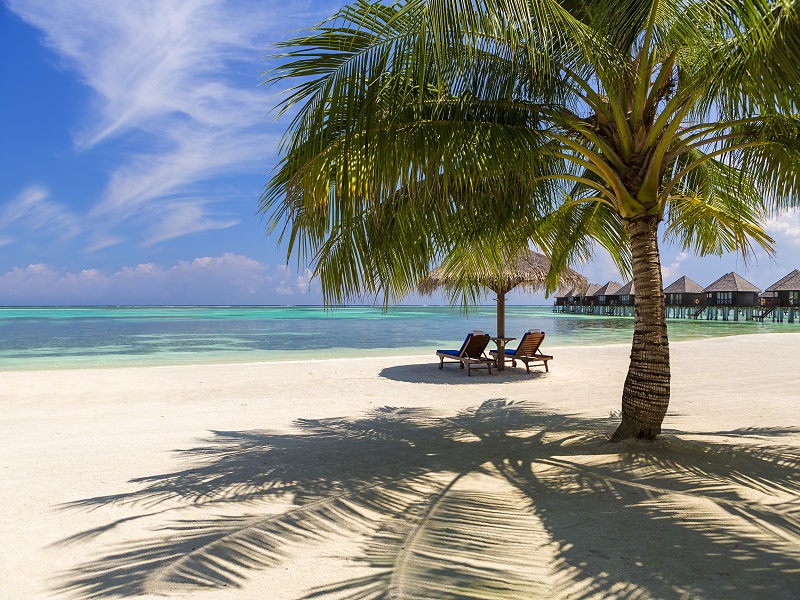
{"type": "Point", "coordinates": [472, 354]}
{"type": "Point", "coordinates": [528, 352]}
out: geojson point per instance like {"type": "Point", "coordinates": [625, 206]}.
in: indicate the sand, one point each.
{"type": "Point", "coordinates": [386, 477]}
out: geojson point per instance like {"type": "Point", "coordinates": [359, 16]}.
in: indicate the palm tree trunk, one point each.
{"type": "Point", "coordinates": [645, 396]}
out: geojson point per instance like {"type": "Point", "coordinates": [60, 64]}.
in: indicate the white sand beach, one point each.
{"type": "Point", "coordinates": [352, 478]}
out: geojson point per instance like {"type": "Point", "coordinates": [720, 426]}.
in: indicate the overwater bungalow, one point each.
{"type": "Point", "coordinates": [786, 291]}
{"type": "Point", "coordinates": [684, 298]}
{"type": "Point", "coordinates": [585, 303]}
{"type": "Point", "coordinates": [782, 299]}
{"type": "Point", "coordinates": [731, 295]}
{"type": "Point", "coordinates": [768, 299]}
{"type": "Point", "coordinates": [577, 302]}
{"type": "Point", "coordinates": [568, 299]}
{"type": "Point", "coordinates": [620, 303]}
{"type": "Point", "coordinates": [624, 296]}
{"type": "Point", "coordinates": [588, 297]}
{"type": "Point", "coordinates": [729, 298]}
{"type": "Point", "coordinates": [604, 295]}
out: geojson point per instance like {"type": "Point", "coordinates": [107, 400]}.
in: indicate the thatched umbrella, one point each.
{"type": "Point", "coordinates": [528, 271]}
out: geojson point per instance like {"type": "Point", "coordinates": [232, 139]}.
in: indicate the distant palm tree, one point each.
{"type": "Point", "coordinates": [443, 130]}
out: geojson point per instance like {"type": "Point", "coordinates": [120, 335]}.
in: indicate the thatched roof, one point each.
{"type": "Point", "coordinates": [592, 290]}
{"type": "Point", "coordinates": [586, 292]}
{"type": "Point", "coordinates": [626, 290]}
{"type": "Point", "coordinates": [607, 289]}
{"type": "Point", "coordinates": [732, 282]}
{"type": "Point", "coordinates": [528, 271]}
{"type": "Point", "coordinates": [684, 285]}
{"type": "Point", "coordinates": [790, 283]}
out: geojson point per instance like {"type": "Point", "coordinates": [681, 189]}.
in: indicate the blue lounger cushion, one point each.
{"type": "Point", "coordinates": [507, 351]}
{"type": "Point", "coordinates": [458, 352]}
{"type": "Point", "coordinates": [527, 351]}
{"type": "Point", "coordinates": [472, 353]}
{"type": "Point", "coordinates": [450, 352]}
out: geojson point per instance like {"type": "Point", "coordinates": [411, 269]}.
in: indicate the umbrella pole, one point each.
{"type": "Point", "coordinates": [501, 330]}
{"type": "Point", "coordinates": [501, 315]}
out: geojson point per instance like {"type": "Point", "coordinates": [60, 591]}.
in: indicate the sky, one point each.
{"type": "Point", "coordinates": [135, 141]}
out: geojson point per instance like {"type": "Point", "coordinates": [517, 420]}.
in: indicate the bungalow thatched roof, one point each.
{"type": "Point", "coordinates": [607, 289]}
{"type": "Point", "coordinates": [582, 292]}
{"type": "Point", "coordinates": [684, 285]}
{"type": "Point", "coordinates": [626, 290]}
{"type": "Point", "coordinates": [790, 283]}
{"type": "Point", "coordinates": [528, 271]}
{"type": "Point", "coordinates": [592, 290]}
{"type": "Point", "coordinates": [732, 282]}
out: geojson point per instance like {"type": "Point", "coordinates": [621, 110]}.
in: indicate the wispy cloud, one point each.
{"type": "Point", "coordinates": [33, 211]}
{"type": "Point", "coordinates": [226, 279]}
{"type": "Point", "coordinates": [176, 85]}
{"type": "Point", "coordinates": [182, 218]}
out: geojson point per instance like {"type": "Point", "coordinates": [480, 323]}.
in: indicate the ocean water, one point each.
{"type": "Point", "coordinates": [84, 337]}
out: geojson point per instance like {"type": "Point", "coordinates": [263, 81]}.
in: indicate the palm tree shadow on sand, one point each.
{"type": "Point", "coordinates": [500, 501]}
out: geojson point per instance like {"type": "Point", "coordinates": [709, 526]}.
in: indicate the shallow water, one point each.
{"type": "Point", "coordinates": [82, 337]}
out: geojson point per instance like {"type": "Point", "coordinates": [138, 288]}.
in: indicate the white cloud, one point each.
{"type": "Point", "coordinates": [786, 226]}
{"type": "Point", "coordinates": [671, 270]}
{"type": "Point", "coordinates": [182, 72]}
{"type": "Point", "coordinates": [226, 279]}
{"type": "Point", "coordinates": [301, 285]}
{"type": "Point", "coordinates": [304, 282]}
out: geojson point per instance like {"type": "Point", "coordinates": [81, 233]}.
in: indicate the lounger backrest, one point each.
{"type": "Point", "coordinates": [464, 345]}
{"type": "Point", "coordinates": [475, 345]}
{"type": "Point", "coordinates": [530, 344]}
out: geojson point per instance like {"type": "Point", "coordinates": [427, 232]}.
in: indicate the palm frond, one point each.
{"type": "Point", "coordinates": [572, 232]}
{"type": "Point", "coordinates": [717, 208]}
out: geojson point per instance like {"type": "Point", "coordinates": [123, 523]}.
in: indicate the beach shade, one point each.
{"type": "Point", "coordinates": [528, 271]}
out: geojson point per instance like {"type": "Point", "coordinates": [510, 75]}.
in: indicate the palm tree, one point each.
{"type": "Point", "coordinates": [442, 130]}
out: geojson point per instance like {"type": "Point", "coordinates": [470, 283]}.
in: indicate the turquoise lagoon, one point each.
{"type": "Point", "coordinates": [83, 337]}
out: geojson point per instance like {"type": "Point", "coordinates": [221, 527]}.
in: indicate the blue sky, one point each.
{"type": "Point", "coordinates": [135, 143]}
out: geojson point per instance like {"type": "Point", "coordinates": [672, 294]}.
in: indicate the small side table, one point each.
{"type": "Point", "coordinates": [501, 342]}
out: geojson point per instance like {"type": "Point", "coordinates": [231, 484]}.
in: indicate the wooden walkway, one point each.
{"type": "Point", "coordinates": [774, 314]}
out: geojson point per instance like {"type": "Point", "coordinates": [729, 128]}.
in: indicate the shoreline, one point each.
{"type": "Point", "coordinates": [107, 471]}
{"type": "Point", "coordinates": [402, 355]}
{"type": "Point", "coordinates": [80, 338]}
